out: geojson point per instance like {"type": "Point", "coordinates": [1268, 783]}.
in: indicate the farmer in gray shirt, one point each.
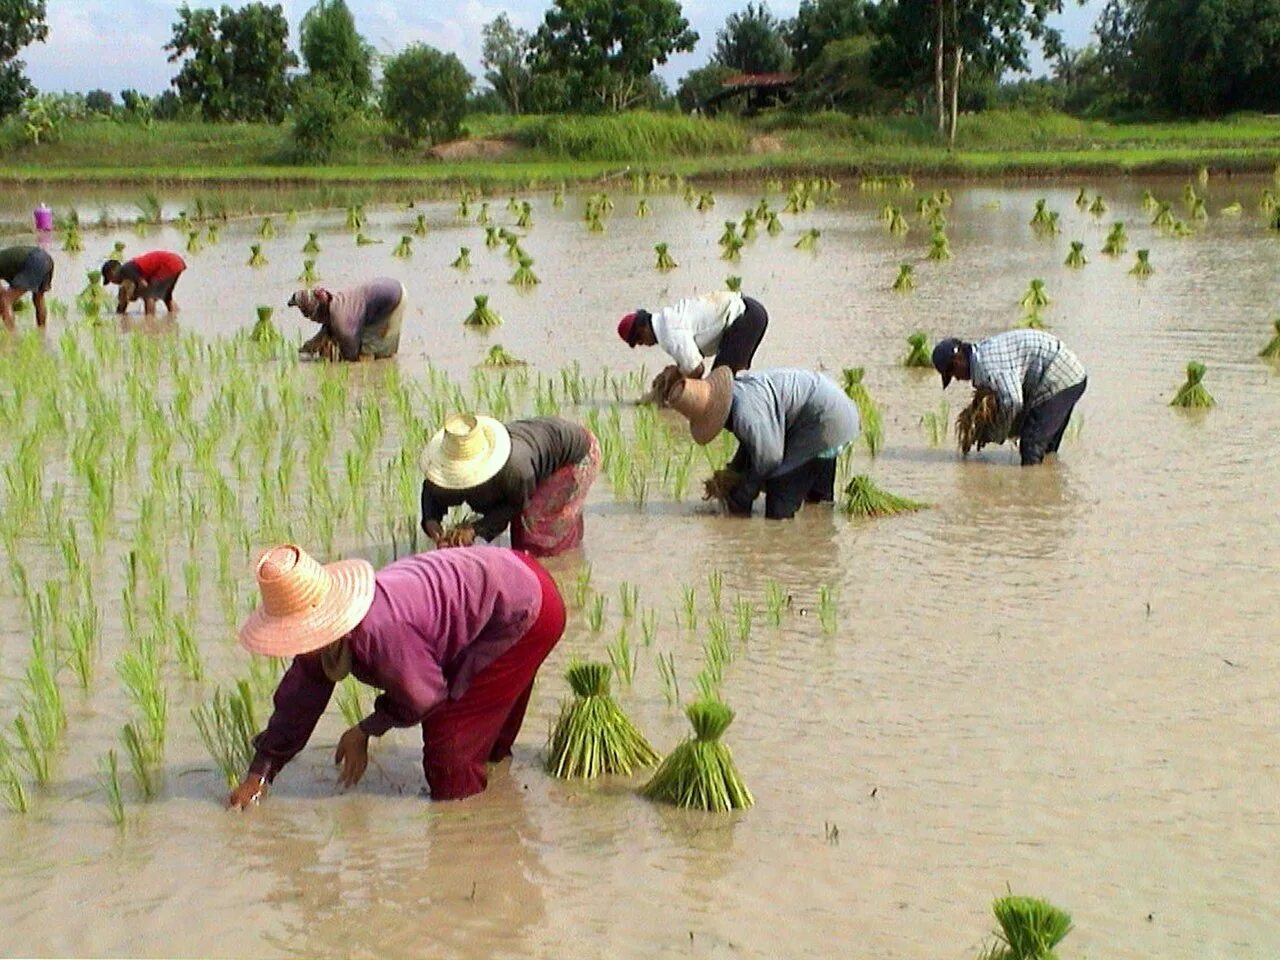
{"type": "Point", "coordinates": [358, 324]}
{"type": "Point", "coordinates": [790, 424]}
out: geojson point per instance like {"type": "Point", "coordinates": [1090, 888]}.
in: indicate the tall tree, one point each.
{"type": "Point", "coordinates": [424, 93]}
{"type": "Point", "coordinates": [505, 58]}
{"type": "Point", "coordinates": [335, 53]}
{"type": "Point", "coordinates": [234, 62]}
{"type": "Point", "coordinates": [601, 53]}
{"type": "Point", "coordinates": [752, 42]}
{"type": "Point", "coordinates": [821, 22]}
{"type": "Point", "coordinates": [22, 23]}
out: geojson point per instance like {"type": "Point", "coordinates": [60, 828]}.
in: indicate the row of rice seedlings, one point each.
{"type": "Point", "coordinates": [227, 725]}
{"type": "Point", "coordinates": [623, 658]}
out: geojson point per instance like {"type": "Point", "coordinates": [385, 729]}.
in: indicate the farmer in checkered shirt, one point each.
{"type": "Point", "coordinates": [1035, 378]}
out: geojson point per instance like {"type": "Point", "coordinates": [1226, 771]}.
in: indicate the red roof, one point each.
{"type": "Point", "coordinates": [759, 80]}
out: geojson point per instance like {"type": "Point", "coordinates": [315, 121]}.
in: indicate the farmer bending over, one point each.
{"type": "Point", "coordinates": [531, 475]}
{"type": "Point", "coordinates": [358, 324]}
{"type": "Point", "coordinates": [1035, 379]}
{"type": "Point", "coordinates": [149, 278]}
{"type": "Point", "coordinates": [453, 639]}
{"type": "Point", "coordinates": [25, 270]}
{"type": "Point", "coordinates": [790, 424]}
{"type": "Point", "coordinates": [726, 325]}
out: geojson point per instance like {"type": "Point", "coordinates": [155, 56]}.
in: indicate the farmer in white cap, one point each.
{"type": "Point", "coordinates": [454, 640]}
{"type": "Point", "coordinates": [790, 424]}
{"type": "Point", "coordinates": [530, 475]}
{"type": "Point", "coordinates": [358, 324]}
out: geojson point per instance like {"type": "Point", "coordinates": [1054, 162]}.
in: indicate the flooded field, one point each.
{"type": "Point", "coordinates": [1058, 680]}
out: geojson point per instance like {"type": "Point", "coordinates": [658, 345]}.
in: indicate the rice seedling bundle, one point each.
{"type": "Point", "coordinates": [365, 241]}
{"type": "Point", "coordinates": [1164, 216]}
{"type": "Point", "coordinates": [498, 357]}
{"type": "Point", "coordinates": [94, 297]}
{"type": "Point", "coordinates": [1082, 199]}
{"type": "Point", "coordinates": [706, 202]}
{"type": "Point", "coordinates": [404, 249]}
{"type": "Point", "coordinates": [1116, 242]}
{"type": "Point", "coordinates": [1202, 177]}
{"type": "Point", "coordinates": [1040, 218]}
{"type": "Point", "coordinates": [918, 356]}
{"type": "Point", "coordinates": [312, 246]}
{"type": "Point", "coordinates": [193, 242]}
{"type": "Point", "coordinates": [886, 212]}
{"type": "Point", "coordinates": [1030, 929]}
{"type": "Point", "coordinates": [1098, 207]}
{"type": "Point", "coordinates": [1232, 210]}
{"type": "Point", "coordinates": [732, 251]}
{"type": "Point", "coordinates": [109, 778]}
{"type": "Point", "coordinates": [227, 726]}
{"type": "Point", "coordinates": [483, 217]}
{"type": "Point", "coordinates": [733, 284]}
{"type": "Point", "coordinates": [308, 274]}
{"type": "Point", "coordinates": [264, 331]}
{"type": "Point", "coordinates": [862, 498]}
{"type": "Point", "coordinates": [642, 208]}
{"type": "Point", "coordinates": [700, 774]}
{"type": "Point", "coordinates": [730, 234]}
{"type": "Point", "coordinates": [1149, 203]}
{"type": "Point", "coordinates": [1192, 394]}
{"type": "Point", "coordinates": [355, 218]}
{"type": "Point", "coordinates": [557, 199]}
{"type": "Point", "coordinates": [420, 225]}
{"type": "Point", "coordinates": [12, 788]}
{"type": "Point", "coordinates": [665, 260]}
{"type": "Point", "coordinates": [774, 226]}
{"type": "Point", "coordinates": [463, 262]}
{"type": "Point", "coordinates": [1033, 321]}
{"type": "Point", "coordinates": [267, 230]}
{"type": "Point", "coordinates": [595, 224]}
{"type": "Point", "coordinates": [1035, 297]}
{"type": "Point", "coordinates": [1076, 258]}
{"type": "Point", "coordinates": [1189, 195]}
{"type": "Point", "coordinates": [1142, 267]}
{"type": "Point", "coordinates": [975, 423]}
{"type": "Point", "coordinates": [524, 277]}
{"type": "Point", "coordinates": [525, 218]}
{"type": "Point", "coordinates": [1198, 211]}
{"type": "Point", "coordinates": [750, 222]}
{"type": "Point", "coordinates": [809, 240]}
{"type": "Point", "coordinates": [592, 736]}
{"type": "Point", "coordinates": [939, 247]}
{"type": "Point", "coordinates": [898, 224]}
{"type": "Point", "coordinates": [482, 315]}
{"type": "Point", "coordinates": [906, 279]}
{"type": "Point", "coordinates": [1272, 350]}
{"type": "Point", "coordinates": [256, 259]}
{"type": "Point", "coordinates": [211, 233]}
{"type": "Point", "coordinates": [71, 240]}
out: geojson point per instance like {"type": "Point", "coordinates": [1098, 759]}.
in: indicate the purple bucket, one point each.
{"type": "Point", "coordinates": [44, 219]}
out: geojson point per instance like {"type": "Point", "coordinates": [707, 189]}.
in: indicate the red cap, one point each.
{"type": "Point", "coordinates": [625, 326]}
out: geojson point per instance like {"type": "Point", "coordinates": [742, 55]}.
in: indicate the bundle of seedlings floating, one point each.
{"type": "Point", "coordinates": [464, 209]}
{"type": "Point", "coordinates": [730, 233]}
{"type": "Point", "coordinates": [211, 234]}
{"type": "Point", "coordinates": [1189, 195]}
{"type": "Point", "coordinates": [498, 357]}
{"type": "Point", "coordinates": [524, 277]}
{"type": "Point", "coordinates": [1142, 268]}
{"type": "Point", "coordinates": [72, 242]}
{"type": "Point", "coordinates": [868, 410]}
{"type": "Point", "coordinates": [513, 205]}
{"type": "Point", "coordinates": [1040, 218]}
{"type": "Point", "coordinates": [1052, 227]}
{"type": "Point", "coordinates": [1076, 258]}
{"type": "Point", "coordinates": [308, 274]}
{"type": "Point", "coordinates": [267, 230]}
{"type": "Point", "coordinates": [1033, 321]}
{"type": "Point", "coordinates": [482, 315]}
{"type": "Point", "coordinates": [1180, 229]}
{"type": "Point", "coordinates": [1116, 242]}
{"type": "Point", "coordinates": [463, 262]}
{"type": "Point", "coordinates": [592, 736]}
{"type": "Point", "coordinates": [557, 198]}
{"type": "Point", "coordinates": [906, 279]}
{"type": "Point", "coordinates": [1149, 202]}
{"type": "Point", "coordinates": [1272, 350]}
{"type": "Point", "coordinates": [939, 247]}
{"type": "Point", "coordinates": [1192, 395]}
{"type": "Point", "coordinates": [483, 217]}
{"type": "Point", "coordinates": [1082, 199]}
{"type": "Point", "coordinates": [1030, 929]}
{"type": "Point", "coordinates": [732, 251]}
{"type": "Point", "coordinates": [1198, 211]}
{"type": "Point", "coordinates": [937, 220]}
{"type": "Point", "coordinates": [642, 208]}
{"type": "Point", "coordinates": [256, 258]}
{"type": "Point", "coordinates": [365, 241]}
{"type": "Point", "coordinates": [720, 485]}
{"type": "Point", "coordinates": [918, 356]}
{"type": "Point", "coordinates": [594, 223]}
{"type": "Point", "coordinates": [525, 219]}
{"type": "Point", "coordinates": [749, 224]}
{"type": "Point", "coordinates": [193, 242]}
{"type": "Point", "coordinates": [404, 249]}
{"type": "Point", "coordinates": [1035, 297]}
{"type": "Point", "coordinates": [706, 201]}
{"type": "Point", "coordinates": [898, 224]}
{"type": "Point", "coordinates": [665, 260]}
{"type": "Point", "coordinates": [700, 774]}
{"type": "Point", "coordinates": [975, 424]}
{"type": "Point", "coordinates": [420, 225]}
{"type": "Point", "coordinates": [94, 297]}
{"type": "Point", "coordinates": [774, 226]}
{"type": "Point", "coordinates": [355, 218]}
{"type": "Point", "coordinates": [733, 284]}
{"type": "Point", "coordinates": [264, 331]}
{"type": "Point", "coordinates": [312, 246]}
{"type": "Point", "coordinates": [862, 498]}
{"type": "Point", "coordinates": [1232, 209]}
{"type": "Point", "coordinates": [1164, 216]}
{"type": "Point", "coordinates": [809, 240]}
{"type": "Point", "coordinates": [886, 212]}
{"type": "Point", "coordinates": [1098, 207]}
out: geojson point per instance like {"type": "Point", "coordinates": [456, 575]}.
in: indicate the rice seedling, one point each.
{"type": "Point", "coordinates": [264, 331]}
{"type": "Point", "coordinates": [715, 586]}
{"type": "Point", "coordinates": [1198, 211]}
{"type": "Point", "coordinates": [1232, 210]}
{"type": "Point", "coordinates": [524, 277]}
{"type": "Point", "coordinates": [312, 246]}
{"type": "Point", "coordinates": [482, 315]}
{"type": "Point", "coordinates": [524, 219]}
{"type": "Point", "coordinates": [595, 612]}
{"type": "Point", "coordinates": [862, 498]}
{"type": "Point", "coordinates": [733, 284]}
{"type": "Point", "coordinates": [1149, 202]}
{"type": "Point", "coordinates": [642, 208]}
{"type": "Point", "coordinates": [828, 612]}
{"type": "Point", "coordinates": [700, 774]}
{"type": "Point", "coordinates": [628, 597]}
{"type": "Point", "coordinates": [211, 234]}
{"type": "Point", "coordinates": [193, 242]}
{"type": "Point", "coordinates": [82, 632]}
{"type": "Point", "coordinates": [906, 280]}
{"type": "Point", "coordinates": [918, 357]}
{"type": "Point", "coordinates": [135, 750]}
{"type": "Point", "coordinates": [1164, 216]}
{"type": "Point", "coordinates": [1033, 321]}
{"type": "Point", "coordinates": [227, 726]}
{"type": "Point", "coordinates": [187, 649]}
{"type": "Point", "coordinates": [592, 736]}
{"type": "Point", "coordinates": [349, 705]}
{"type": "Point", "coordinates": [36, 754]}
{"type": "Point", "coordinates": [776, 602]}
{"type": "Point", "coordinates": [665, 260]}
{"type": "Point", "coordinates": [872, 422]}
{"type": "Point", "coordinates": [72, 242]}
{"type": "Point", "coordinates": [939, 247]}
{"type": "Point", "coordinates": [706, 201]}
{"type": "Point", "coordinates": [109, 779]}
{"type": "Point", "coordinates": [594, 223]}
{"type": "Point", "coordinates": [670, 682]}
{"type": "Point", "coordinates": [94, 298]}
{"type": "Point", "coordinates": [750, 225]}
{"type": "Point", "coordinates": [689, 601]}
{"type": "Point", "coordinates": [582, 587]}
{"type": "Point", "coordinates": [404, 249]}
{"type": "Point", "coordinates": [1202, 176]}
{"type": "Point", "coordinates": [732, 252]}
{"type": "Point", "coordinates": [1192, 394]}
{"type": "Point", "coordinates": [774, 226]}
{"type": "Point", "coordinates": [498, 357]}
{"type": "Point", "coordinates": [743, 614]}
{"type": "Point", "coordinates": [308, 274]}
{"type": "Point", "coordinates": [1082, 199]}
{"type": "Point", "coordinates": [1272, 350]}
{"type": "Point", "coordinates": [362, 240]}
{"type": "Point", "coordinates": [11, 785]}
{"type": "Point", "coordinates": [1142, 268]}
{"type": "Point", "coordinates": [1116, 242]}
{"type": "Point", "coordinates": [1076, 258]}
{"type": "Point", "coordinates": [256, 257]}
{"type": "Point", "coordinates": [649, 626]}
{"type": "Point", "coordinates": [1030, 929]}
{"type": "Point", "coordinates": [808, 241]}
{"type": "Point", "coordinates": [897, 224]}
{"type": "Point", "coordinates": [1040, 217]}
{"type": "Point", "coordinates": [623, 657]}
{"type": "Point", "coordinates": [1035, 297]}
{"type": "Point", "coordinates": [267, 230]}
{"type": "Point", "coordinates": [730, 233]}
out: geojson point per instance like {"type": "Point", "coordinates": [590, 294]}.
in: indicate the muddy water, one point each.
{"type": "Point", "coordinates": [1059, 680]}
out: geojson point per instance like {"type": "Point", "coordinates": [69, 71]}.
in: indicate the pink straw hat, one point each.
{"type": "Point", "coordinates": [305, 606]}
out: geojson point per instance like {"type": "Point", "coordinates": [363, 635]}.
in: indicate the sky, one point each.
{"type": "Point", "coordinates": [117, 44]}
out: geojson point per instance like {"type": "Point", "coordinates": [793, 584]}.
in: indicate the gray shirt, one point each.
{"type": "Point", "coordinates": [785, 418]}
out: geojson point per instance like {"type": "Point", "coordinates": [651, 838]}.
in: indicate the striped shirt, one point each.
{"type": "Point", "coordinates": [1024, 368]}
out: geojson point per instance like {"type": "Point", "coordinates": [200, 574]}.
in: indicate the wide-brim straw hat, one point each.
{"type": "Point", "coordinates": [468, 451]}
{"type": "Point", "coordinates": [704, 403]}
{"type": "Point", "coordinates": [305, 605]}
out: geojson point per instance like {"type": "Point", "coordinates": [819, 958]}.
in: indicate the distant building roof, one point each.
{"type": "Point", "coordinates": [758, 80]}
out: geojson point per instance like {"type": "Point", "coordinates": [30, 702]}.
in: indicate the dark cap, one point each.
{"type": "Point", "coordinates": [943, 354]}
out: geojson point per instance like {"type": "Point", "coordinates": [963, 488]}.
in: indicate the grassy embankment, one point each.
{"type": "Point", "coordinates": [540, 150]}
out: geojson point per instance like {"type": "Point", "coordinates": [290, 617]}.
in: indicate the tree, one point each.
{"type": "Point", "coordinates": [842, 78]}
{"type": "Point", "coordinates": [701, 84]}
{"type": "Point", "coordinates": [505, 58]}
{"type": "Point", "coordinates": [424, 93]}
{"type": "Point", "coordinates": [234, 62]}
{"type": "Point", "coordinates": [22, 23]}
{"type": "Point", "coordinates": [820, 22]}
{"type": "Point", "coordinates": [752, 42]}
{"type": "Point", "coordinates": [601, 53]}
{"type": "Point", "coordinates": [321, 121]}
{"type": "Point", "coordinates": [100, 101]}
{"type": "Point", "coordinates": [335, 53]}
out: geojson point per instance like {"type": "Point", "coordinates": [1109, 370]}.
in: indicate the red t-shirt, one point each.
{"type": "Point", "coordinates": [156, 265]}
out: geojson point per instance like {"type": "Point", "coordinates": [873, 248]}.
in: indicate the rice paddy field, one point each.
{"type": "Point", "coordinates": [1058, 682]}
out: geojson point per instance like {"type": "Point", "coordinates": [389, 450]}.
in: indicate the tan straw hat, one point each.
{"type": "Point", "coordinates": [467, 452]}
{"type": "Point", "coordinates": [305, 606]}
{"type": "Point", "coordinates": [705, 403]}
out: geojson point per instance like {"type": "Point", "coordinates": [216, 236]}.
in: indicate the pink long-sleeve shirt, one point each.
{"type": "Point", "coordinates": [437, 619]}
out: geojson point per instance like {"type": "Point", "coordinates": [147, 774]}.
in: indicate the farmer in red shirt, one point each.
{"type": "Point", "coordinates": [148, 278]}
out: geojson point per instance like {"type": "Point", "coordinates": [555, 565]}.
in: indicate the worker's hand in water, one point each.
{"type": "Point", "coordinates": [353, 756]}
{"type": "Point", "coordinates": [251, 790]}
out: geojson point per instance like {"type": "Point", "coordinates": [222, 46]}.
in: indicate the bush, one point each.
{"type": "Point", "coordinates": [633, 136]}
{"type": "Point", "coordinates": [100, 101]}
{"type": "Point", "coordinates": [321, 122]}
{"type": "Point", "coordinates": [424, 93]}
